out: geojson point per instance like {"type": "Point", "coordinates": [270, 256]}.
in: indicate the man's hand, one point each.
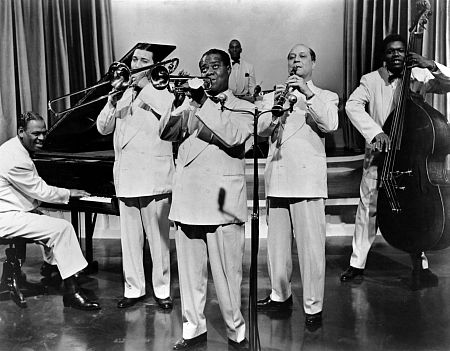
{"type": "Point", "coordinates": [196, 91]}
{"type": "Point", "coordinates": [381, 142]}
{"type": "Point", "coordinates": [297, 82]}
{"type": "Point", "coordinates": [78, 193]}
{"type": "Point", "coordinates": [416, 60]}
{"type": "Point", "coordinates": [140, 79]}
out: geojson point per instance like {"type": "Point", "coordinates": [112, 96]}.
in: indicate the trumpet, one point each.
{"type": "Point", "coordinates": [120, 77]}
{"type": "Point", "coordinates": [160, 78]}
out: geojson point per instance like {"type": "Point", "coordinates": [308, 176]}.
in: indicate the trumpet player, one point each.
{"type": "Point", "coordinates": [143, 171]}
{"type": "Point", "coordinates": [296, 185]}
{"type": "Point", "coordinates": [209, 200]}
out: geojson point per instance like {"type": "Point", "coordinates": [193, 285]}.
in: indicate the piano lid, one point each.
{"type": "Point", "coordinates": [76, 130]}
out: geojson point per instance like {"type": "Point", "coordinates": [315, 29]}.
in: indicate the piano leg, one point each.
{"type": "Point", "coordinates": [89, 226]}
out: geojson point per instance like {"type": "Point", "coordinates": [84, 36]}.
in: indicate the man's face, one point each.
{"type": "Point", "coordinates": [234, 49]}
{"type": "Point", "coordinates": [141, 58]}
{"type": "Point", "coordinates": [33, 136]}
{"type": "Point", "coordinates": [394, 56]}
{"type": "Point", "coordinates": [211, 66]}
{"type": "Point", "coordinates": [300, 58]}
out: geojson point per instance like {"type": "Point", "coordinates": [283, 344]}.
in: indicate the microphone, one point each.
{"type": "Point", "coordinates": [221, 199]}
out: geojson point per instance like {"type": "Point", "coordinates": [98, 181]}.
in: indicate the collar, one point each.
{"type": "Point", "coordinates": [236, 61]}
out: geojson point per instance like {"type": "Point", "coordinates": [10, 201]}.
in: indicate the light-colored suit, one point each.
{"type": "Point", "coordinates": [379, 96]}
{"type": "Point", "coordinates": [296, 185]}
{"type": "Point", "coordinates": [209, 205]}
{"type": "Point", "coordinates": [242, 80]}
{"type": "Point", "coordinates": [21, 191]}
{"type": "Point", "coordinates": [143, 170]}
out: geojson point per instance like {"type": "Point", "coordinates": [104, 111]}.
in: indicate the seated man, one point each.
{"type": "Point", "coordinates": [21, 190]}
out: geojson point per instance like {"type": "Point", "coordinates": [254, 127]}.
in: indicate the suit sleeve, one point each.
{"type": "Point", "coordinates": [106, 120]}
{"type": "Point", "coordinates": [252, 80]}
{"type": "Point", "coordinates": [230, 128]}
{"type": "Point", "coordinates": [356, 111]}
{"type": "Point", "coordinates": [25, 178]}
{"type": "Point", "coordinates": [266, 124]}
{"type": "Point", "coordinates": [323, 108]}
{"type": "Point", "coordinates": [172, 122]}
{"type": "Point", "coordinates": [159, 102]}
{"type": "Point", "coordinates": [439, 82]}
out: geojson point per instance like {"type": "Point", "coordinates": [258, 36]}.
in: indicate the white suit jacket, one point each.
{"type": "Point", "coordinates": [143, 162]}
{"type": "Point", "coordinates": [209, 183]}
{"type": "Point", "coordinates": [21, 188]}
{"type": "Point", "coordinates": [296, 166]}
{"type": "Point", "coordinates": [242, 80]}
{"type": "Point", "coordinates": [371, 103]}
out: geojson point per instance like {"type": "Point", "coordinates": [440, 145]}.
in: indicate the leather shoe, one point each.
{"type": "Point", "coordinates": [165, 304]}
{"type": "Point", "coordinates": [351, 273]}
{"type": "Point", "coordinates": [423, 278]}
{"type": "Point", "coordinates": [268, 304]}
{"type": "Point", "coordinates": [129, 301]}
{"type": "Point", "coordinates": [313, 321]}
{"type": "Point", "coordinates": [79, 301]}
{"type": "Point", "coordinates": [185, 344]}
{"type": "Point", "coordinates": [234, 345]}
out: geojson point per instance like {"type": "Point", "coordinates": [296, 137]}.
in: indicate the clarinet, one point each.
{"type": "Point", "coordinates": [277, 109]}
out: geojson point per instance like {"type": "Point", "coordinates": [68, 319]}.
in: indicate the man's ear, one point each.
{"type": "Point", "coordinates": [20, 132]}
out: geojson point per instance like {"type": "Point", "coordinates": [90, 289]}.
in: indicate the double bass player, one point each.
{"type": "Point", "coordinates": [368, 108]}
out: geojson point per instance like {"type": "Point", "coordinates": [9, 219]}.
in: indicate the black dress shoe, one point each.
{"type": "Point", "coordinates": [268, 304]}
{"type": "Point", "coordinates": [79, 301]}
{"type": "Point", "coordinates": [313, 321]}
{"type": "Point", "coordinates": [351, 273]}
{"type": "Point", "coordinates": [186, 344]}
{"type": "Point", "coordinates": [165, 304]}
{"type": "Point", "coordinates": [234, 345]}
{"type": "Point", "coordinates": [129, 301]}
{"type": "Point", "coordinates": [423, 278]}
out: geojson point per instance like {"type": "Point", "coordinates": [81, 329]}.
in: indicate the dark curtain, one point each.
{"type": "Point", "coordinates": [49, 48]}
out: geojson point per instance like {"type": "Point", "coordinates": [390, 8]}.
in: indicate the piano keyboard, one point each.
{"type": "Point", "coordinates": [100, 199]}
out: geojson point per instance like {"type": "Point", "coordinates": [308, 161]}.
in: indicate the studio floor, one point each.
{"type": "Point", "coordinates": [380, 313]}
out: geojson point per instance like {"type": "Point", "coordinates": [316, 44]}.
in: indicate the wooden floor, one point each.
{"type": "Point", "coordinates": [381, 313]}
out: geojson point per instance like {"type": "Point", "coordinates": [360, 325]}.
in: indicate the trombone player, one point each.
{"type": "Point", "coordinates": [143, 171]}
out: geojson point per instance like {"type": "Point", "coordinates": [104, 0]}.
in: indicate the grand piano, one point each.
{"type": "Point", "coordinates": [76, 156]}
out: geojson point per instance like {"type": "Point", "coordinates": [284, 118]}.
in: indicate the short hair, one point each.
{"type": "Point", "coordinates": [311, 52]}
{"type": "Point", "coordinates": [392, 37]}
{"type": "Point", "coordinates": [26, 117]}
{"type": "Point", "coordinates": [223, 56]}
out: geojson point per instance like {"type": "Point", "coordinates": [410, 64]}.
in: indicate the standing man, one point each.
{"type": "Point", "coordinates": [209, 200]}
{"type": "Point", "coordinates": [22, 190]}
{"type": "Point", "coordinates": [143, 171]}
{"type": "Point", "coordinates": [368, 107]}
{"type": "Point", "coordinates": [296, 186]}
{"type": "Point", "coordinates": [242, 81]}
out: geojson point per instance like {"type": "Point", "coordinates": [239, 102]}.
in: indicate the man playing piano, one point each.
{"type": "Point", "coordinates": [21, 191]}
{"type": "Point", "coordinates": [143, 171]}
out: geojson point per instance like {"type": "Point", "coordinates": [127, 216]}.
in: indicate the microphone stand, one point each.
{"type": "Point", "coordinates": [254, 247]}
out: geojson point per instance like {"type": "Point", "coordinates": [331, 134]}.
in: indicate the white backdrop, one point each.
{"type": "Point", "coordinates": [267, 29]}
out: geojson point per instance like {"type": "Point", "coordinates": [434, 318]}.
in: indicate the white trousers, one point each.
{"type": "Point", "coordinates": [305, 219]}
{"type": "Point", "coordinates": [149, 214]}
{"type": "Point", "coordinates": [225, 247]}
{"type": "Point", "coordinates": [366, 222]}
{"type": "Point", "coordinates": [56, 234]}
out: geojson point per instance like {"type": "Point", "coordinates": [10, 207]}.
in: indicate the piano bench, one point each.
{"type": "Point", "coordinates": [13, 281]}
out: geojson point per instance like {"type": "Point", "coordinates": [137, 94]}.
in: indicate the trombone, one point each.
{"type": "Point", "coordinates": [119, 76]}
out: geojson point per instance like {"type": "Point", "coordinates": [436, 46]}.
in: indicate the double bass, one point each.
{"type": "Point", "coordinates": [413, 208]}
